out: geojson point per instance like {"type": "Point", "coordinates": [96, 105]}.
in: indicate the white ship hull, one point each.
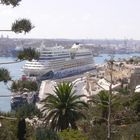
{"type": "Point", "coordinates": [65, 68]}
{"type": "Point", "coordinates": [35, 72]}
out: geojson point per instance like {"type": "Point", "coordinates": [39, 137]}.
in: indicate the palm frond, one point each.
{"type": "Point", "coordinates": [64, 107]}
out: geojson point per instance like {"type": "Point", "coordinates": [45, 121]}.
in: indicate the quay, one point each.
{"type": "Point", "coordinates": [92, 81]}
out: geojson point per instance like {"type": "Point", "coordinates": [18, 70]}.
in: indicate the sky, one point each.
{"type": "Point", "coordinates": [76, 19]}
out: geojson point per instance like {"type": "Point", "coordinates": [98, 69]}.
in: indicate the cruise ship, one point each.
{"type": "Point", "coordinates": [58, 62]}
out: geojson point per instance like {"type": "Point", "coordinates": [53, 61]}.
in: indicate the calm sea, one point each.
{"type": "Point", "coordinates": [16, 73]}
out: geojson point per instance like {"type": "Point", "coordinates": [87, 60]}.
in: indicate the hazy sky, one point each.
{"type": "Point", "coordinates": [92, 19]}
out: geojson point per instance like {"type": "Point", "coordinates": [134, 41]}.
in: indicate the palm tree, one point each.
{"type": "Point", "coordinates": [101, 100]}
{"type": "Point", "coordinates": [63, 108]}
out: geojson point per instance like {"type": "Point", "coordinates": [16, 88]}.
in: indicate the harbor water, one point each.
{"type": "Point", "coordinates": [16, 73]}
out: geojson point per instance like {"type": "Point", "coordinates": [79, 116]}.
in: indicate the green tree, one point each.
{"type": "Point", "coordinates": [20, 25]}
{"type": "Point", "coordinates": [8, 129]}
{"type": "Point", "coordinates": [24, 86]}
{"type": "Point", "coordinates": [10, 2]}
{"type": "Point", "coordinates": [72, 135]}
{"type": "Point", "coordinates": [4, 75]}
{"type": "Point", "coordinates": [28, 111]}
{"type": "Point", "coordinates": [21, 129]}
{"type": "Point", "coordinates": [135, 102]}
{"type": "Point", "coordinates": [101, 101]}
{"type": "Point", "coordinates": [28, 54]}
{"type": "Point", "coordinates": [63, 108]}
{"type": "Point", "coordinates": [46, 134]}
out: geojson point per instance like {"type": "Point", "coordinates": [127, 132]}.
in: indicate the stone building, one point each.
{"type": "Point", "coordinates": [135, 78]}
